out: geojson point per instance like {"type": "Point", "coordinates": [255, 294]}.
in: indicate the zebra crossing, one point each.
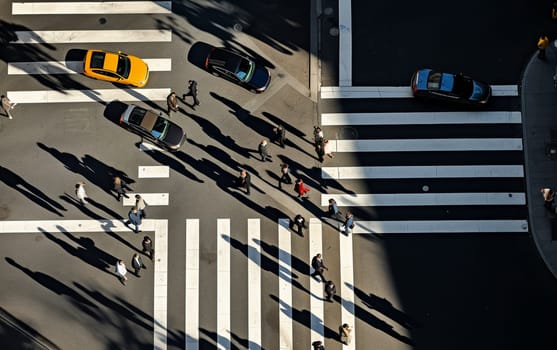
{"type": "Point", "coordinates": [460, 169]}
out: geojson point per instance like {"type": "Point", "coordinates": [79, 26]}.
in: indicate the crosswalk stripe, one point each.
{"type": "Point", "coordinates": [427, 145]}
{"type": "Point", "coordinates": [98, 95]}
{"type": "Point", "coordinates": [192, 285]}
{"type": "Point", "coordinates": [330, 92]}
{"type": "Point", "coordinates": [223, 284]}
{"type": "Point", "coordinates": [160, 300]}
{"type": "Point", "coordinates": [441, 226]}
{"type": "Point", "coordinates": [345, 42]}
{"type": "Point", "coordinates": [108, 7]}
{"type": "Point", "coordinates": [415, 172]}
{"type": "Point", "coordinates": [151, 199]}
{"type": "Point", "coordinates": [75, 67]}
{"type": "Point", "coordinates": [147, 147]}
{"type": "Point", "coordinates": [421, 118]}
{"type": "Point", "coordinates": [424, 199]}
{"type": "Point", "coordinates": [92, 36]}
{"type": "Point", "coordinates": [150, 172]}
{"type": "Point", "coordinates": [348, 313]}
{"type": "Point", "coordinates": [285, 286]}
{"type": "Point", "coordinates": [316, 288]}
{"type": "Point", "coordinates": [254, 284]}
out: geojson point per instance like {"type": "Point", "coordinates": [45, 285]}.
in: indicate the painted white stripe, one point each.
{"type": "Point", "coordinates": [150, 172]}
{"type": "Point", "coordinates": [316, 288]}
{"type": "Point", "coordinates": [92, 36]}
{"type": "Point", "coordinates": [285, 286]}
{"type": "Point", "coordinates": [254, 284]}
{"type": "Point", "coordinates": [147, 147]}
{"type": "Point", "coordinates": [441, 226]}
{"type": "Point", "coordinates": [192, 285]}
{"type": "Point", "coordinates": [348, 313]}
{"type": "Point", "coordinates": [223, 284]}
{"type": "Point", "coordinates": [421, 118]}
{"type": "Point", "coordinates": [100, 95]}
{"type": "Point", "coordinates": [416, 172]}
{"type": "Point", "coordinates": [427, 145]}
{"type": "Point", "coordinates": [75, 67]}
{"type": "Point", "coordinates": [151, 199]}
{"type": "Point", "coordinates": [109, 7]}
{"type": "Point", "coordinates": [345, 42]}
{"type": "Point", "coordinates": [424, 199]}
{"type": "Point", "coordinates": [160, 228]}
{"type": "Point", "coordinates": [328, 92]}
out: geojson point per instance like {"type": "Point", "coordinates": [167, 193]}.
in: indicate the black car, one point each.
{"type": "Point", "coordinates": [238, 69]}
{"type": "Point", "coordinates": [153, 127]}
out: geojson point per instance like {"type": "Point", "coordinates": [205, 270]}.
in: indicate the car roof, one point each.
{"type": "Point", "coordinates": [149, 120]}
{"type": "Point", "coordinates": [225, 58]}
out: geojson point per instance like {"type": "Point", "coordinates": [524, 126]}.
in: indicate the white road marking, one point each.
{"type": "Point", "coordinates": [147, 147]}
{"type": "Point", "coordinates": [192, 285]}
{"type": "Point", "coordinates": [421, 118]}
{"type": "Point", "coordinates": [78, 8]}
{"type": "Point", "coordinates": [75, 67]}
{"type": "Point", "coordinates": [427, 145]}
{"type": "Point", "coordinates": [254, 285]}
{"type": "Point", "coordinates": [348, 313]}
{"type": "Point", "coordinates": [151, 199]}
{"type": "Point", "coordinates": [416, 172]}
{"type": "Point", "coordinates": [424, 199]}
{"type": "Point", "coordinates": [285, 286]}
{"type": "Point", "coordinates": [316, 288]}
{"type": "Point", "coordinates": [99, 95]}
{"type": "Point", "coordinates": [345, 42]}
{"type": "Point", "coordinates": [338, 92]}
{"type": "Point", "coordinates": [92, 36]}
{"type": "Point", "coordinates": [441, 226]}
{"type": "Point", "coordinates": [223, 284]}
{"type": "Point", "coordinates": [150, 172]}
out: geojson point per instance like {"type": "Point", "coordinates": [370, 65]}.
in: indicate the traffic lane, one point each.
{"type": "Point", "coordinates": [460, 291]}
{"type": "Point", "coordinates": [488, 41]}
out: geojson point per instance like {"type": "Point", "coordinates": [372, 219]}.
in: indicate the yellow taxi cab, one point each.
{"type": "Point", "coordinates": [116, 67]}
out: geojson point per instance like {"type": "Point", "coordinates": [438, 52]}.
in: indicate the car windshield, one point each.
{"type": "Point", "coordinates": [124, 65]}
{"type": "Point", "coordinates": [434, 81]}
{"type": "Point", "coordinates": [245, 70]}
{"type": "Point", "coordinates": [462, 86]}
{"type": "Point", "coordinates": [97, 59]}
{"type": "Point", "coordinates": [160, 128]}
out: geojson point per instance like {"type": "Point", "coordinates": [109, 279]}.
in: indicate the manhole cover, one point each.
{"type": "Point", "coordinates": [333, 31]}
{"type": "Point", "coordinates": [102, 20]}
{"type": "Point", "coordinates": [425, 188]}
{"type": "Point", "coordinates": [328, 11]}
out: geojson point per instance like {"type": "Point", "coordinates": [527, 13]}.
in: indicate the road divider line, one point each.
{"type": "Point", "coordinates": [151, 172]}
{"type": "Point", "coordinates": [345, 42]}
{"type": "Point", "coordinates": [427, 145]}
{"type": "Point", "coordinates": [421, 118]}
{"type": "Point", "coordinates": [151, 199]}
{"type": "Point", "coordinates": [348, 313]}
{"type": "Point", "coordinates": [99, 95]}
{"type": "Point", "coordinates": [192, 285]}
{"type": "Point", "coordinates": [419, 172]}
{"type": "Point", "coordinates": [316, 287]}
{"type": "Point", "coordinates": [92, 36]}
{"type": "Point", "coordinates": [440, 226]}
{"type": "Point", "coordinates": [75, 67]}
{"type": "Point", "coordinates": [223, 284]}
{"type": "Point", "coordinates": [88, 7]}
{"type": "Point", "coordinates": [340, 92]}
{"type": "Point", "coordinates": [254, 284]}
{"type": "Point", "coordinates": [286, 339]}
{"type": "Point", "coordinates": [424, 199]}
{"type": "Point", "coordinates": [160, 297]}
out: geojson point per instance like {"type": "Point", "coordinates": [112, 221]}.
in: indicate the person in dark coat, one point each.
{"type": "Point", "coordinates": [300, 224]}
{"type": "Point", "coordinates": [284, 175]}
{"type": "Point", "coordinates": [319, 267]}
{"type": "Point", "coordinates": [264, 152]}
{"type": "Point", "coordinates": [244, 181]}
{"type": "Point", "coordinates": [333, 209]}
{"type": "Point", "coordinates": [280, 135]}
{"type": "Point", "coordinates": [147, 245]}
{"type": "Point", "coordinates": [318, 345]}
{"type": "Point", "coordinates": [119, 187]}
{"type": "Point", "coordinates": [330, 290]}
{"type": "Point", "coordinates": [134, 217]}
{"type": "Point", "coordinates": [192, 91]}
{"type": "Point", "coordinates": [137, 264]}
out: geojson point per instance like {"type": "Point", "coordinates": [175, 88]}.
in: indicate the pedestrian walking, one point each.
{"type": "Point", "coordinates": [327, 148]}
{"type": "Point", "coordinates": [147, 245]}
{"type": "Point", "coordinates": [134, 217]}
{"type": "Point", "coordinates": [121, 271]}
{"type": "Point", "coordinates": [318, 267]}
{"type": "Point", "coordinates": [81, 193]}
{"type": "Point", "coordinates": [119, 186]}
{"type": "Point", "coordinates": [137, 264]}
{"type": "Point", "coordinates": [140, 204]}
{"type": "Point", "coordinates": [300, 188]}
{"type": "Point", "coordinates": [348, 223]}
{"type": "Point", "coordinates": [300, 223]}
{"type": "Point", "coordinates": [318, 345]}
{"type": "Point", "coordinates": [244, 181]}
{"type": "Point", "coordinates": [345, 332]}
{"type": "Point", "coordinates": [280, 135]}
{"type": "Point", "coordinates": [333, 209]}
{"type": "Point", "coordinates": [330, 290]}
{"type": "Point", "coordinates": [317, 135]}
{"type": "Point", "coordinates": [548, 197]}
{"type": "Point", "coordinates": [172, 103]}
{"type": "Point", "coordinates": [7, 105]}
{"type": "Point", "coordinates": [543, 43]}
{"type": "Point", "coordinates": [284, 175]}
{"type": "Point", "coordinates": [264, 152]}
{"type": "Point", "coordinates": [192, 91]}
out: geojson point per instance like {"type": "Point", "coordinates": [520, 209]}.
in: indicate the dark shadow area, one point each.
{"type": "Point", "coordinates": [175, 165]}
{"type": "Point", "coordinates": [198, 53]}
{"type": "Point", "coordinates": [386, 308]}
{"type": "Point", "coordinates": [16, 334]}
{"type": "Point", "coordinates": [114, 110]}
{"type": "Point", "coordinates": [217, 341]}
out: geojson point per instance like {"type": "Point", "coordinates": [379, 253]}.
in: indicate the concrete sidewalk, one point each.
{"type": "Point", "coordinates": [539, 118]}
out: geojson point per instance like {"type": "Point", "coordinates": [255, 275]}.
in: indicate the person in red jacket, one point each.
{"type": "Point", "coordinates": [300, 188]}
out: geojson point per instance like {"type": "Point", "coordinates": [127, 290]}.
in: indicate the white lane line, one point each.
{"type": "Point", "coordinates": [348, 313]}
{"type": "Point", "coordinates": [151, 199]}
{"type": "Point", "coordinates": [345, 42]}
{"type": "Point", "coordinates": [99, 95]}
{"type": "Point", "coordinates": [147, 147]}
{"type": "Point", "coordinates": [427, 145]}
{"type": "Point", "coordinates": [424, 199]}
{"type": "Point", "coordinates": [337, 92]}
{"type": "Point", "coordinates": [223, 284]}
{"type": "Point", "coordinates": [441, 226]}
{"type": "Point", "coordinates": [316, 287]}
{"type": "Point", "coordinates": [108, 7]}
{"type": "Point", "coordinates": [150, 172]}
{"type": "Point", "coordinates": [418, 172]}
{"type": "Point", "coordinates": [192, 285]}
{"type": "Point", "coordinates": [92, 36]}
{"type": "Point", "coordinates": [285, 286]}
{"type": "Point", "coordinates": [160, 229]}
{"type": "Point", "coordinates": [421, 118]}
{"type": "Point", "coordinates": [75, 67]}
{"type": "Point", "coordinates": [254, 284]}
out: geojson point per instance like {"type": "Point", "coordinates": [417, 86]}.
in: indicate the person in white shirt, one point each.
{"type": "Point", "coordinates": [121, 271]}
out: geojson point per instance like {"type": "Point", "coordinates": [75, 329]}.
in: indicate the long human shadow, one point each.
{"type": "Point", "coordinates": [20, 335]}
{"type": "Point", "coordinates": [58, 288]}
{"type": "Point", "coordinates": [218, 154]}
{"type": "Point", "coordinates": [173, 164]}
{"type": "Point", "coordinates": [290, 129]}
{"type": "Point", "coordinates": [83, 208]}
{"type": "Point", "coordinates": [217, 339]}
{"type": "Point", "coordinates": [31, 192]}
